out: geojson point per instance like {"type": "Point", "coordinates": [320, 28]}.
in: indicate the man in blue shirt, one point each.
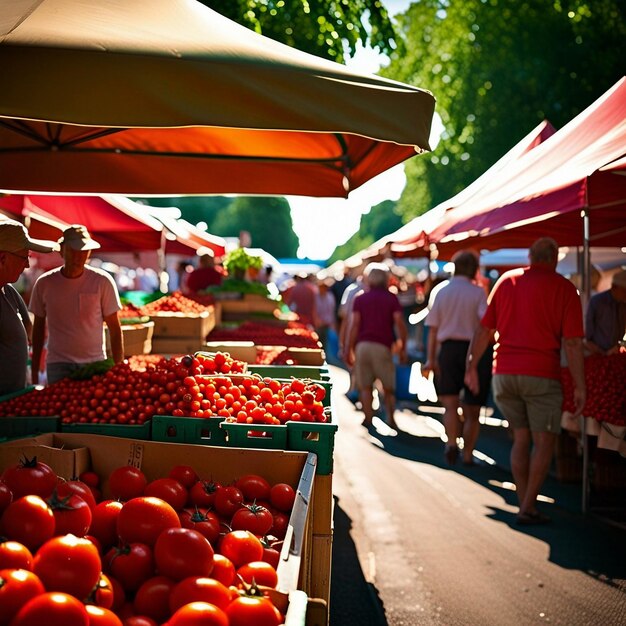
{"type": "Point", "coordinates": [605, 322]}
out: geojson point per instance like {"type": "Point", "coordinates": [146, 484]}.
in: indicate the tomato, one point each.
{"type": "Point", "coordinates": [257, 519]}
{"type": "Point", "coordinates": [139, 620]}
{"type": "Point", "coordinates": [168, 489]}
{"type": "Point", "coordinates": [28, 520]}
{"type": "Point", "coordinates": [253, 487]}
{"type": "Point", "coordinates": [127, 482]}
{"type": "Point", "coordinates": [259, 572]}
{"type": "Point", "coordinates": [66, 487]}
{"type": "Point", "coordinates": [223, 570]}
{"type": "Point", "coordinates": [199, 614]}
{"type": "Point", "coordinates": [228, 500]}
{"type": "Point", "coordinates": [199, 589]}
{"type": "Point", "coordinates": [185, 475]}
{"type": "Point", "coordinates": [143, 519]}
{"type": "Point", "coordinates": [68, 564]}
{"type": "Point", "coordinates": [6, 496]}
{"type": "Point", "coordinates": [247, 610]}
{"type": "Point", "coordinates": [204, 521]}
{"type": "Point", "coordinates": [17, 587]}
{"type": "Point", "coordinates": [182, 552]}
{"type": "Point", "coordinates": [241, 547]}
{"type": "Point", "coordinates": [153, 598]}
{"type": "Point", "coordinates": [91, 479]}
{"type": "Point", "coordinates": [30, 477]}
{"type": "Point", "coordinates": [131, 565]}
{"type": "Point", "coordinates": [52, 609]}
{"type": "Point", "coordinates": [104, 593]}
{"type": "Point", "coordinates": [72, 515]}
{"type": "Point", "coordinates": [99, 616]}
{"type": "Point", "coordinates": [15, 555]}
{"type": "Point", "coordinates": [104, 522]}
{"type": "Point", "coordinates": [280, 523]}
{"type": "Point", "coordinates": [203, 493]}
{"type": "Point", "coordinates": [282, 497]}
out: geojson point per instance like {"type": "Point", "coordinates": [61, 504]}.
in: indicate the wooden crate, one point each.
{"type": "Point", "coordinates": [196, 326]}
{"type": "Point", "coordinates": [176, 345]}
{"type": "Point", "coordinates": [240, 350]}
{"type": "Point", "coordinates": [137, 338]}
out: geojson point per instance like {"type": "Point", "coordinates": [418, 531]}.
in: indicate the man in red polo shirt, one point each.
{"type": "Point", "coordinates": [534, 311]}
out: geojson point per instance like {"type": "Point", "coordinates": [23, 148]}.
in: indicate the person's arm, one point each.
{"type": "Point", "coordinates": [431, 353]}
{"type": "Point", "coordinates": [401, 335]}
{"type": "Point", "coordinates": [39, 336]}
{"type": "Point", "coordinates": [115, 334]}
{"type": "Point", "coordinates": [576, 364]}
{"type": "Point", "coordinates": [355, 323]}
{"type": "Point", "coordinates": [481, 339]}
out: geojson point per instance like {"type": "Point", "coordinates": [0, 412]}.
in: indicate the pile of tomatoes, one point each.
{"type": "Point", "coordinates": [294, 334]}
{"type": "Point", "coordinates": [189, 386]}
{"type": "Point", "coordinates": [176, 302]}
{"type": "Point", "coordinates": [178, 551]}
{"type": "Point", "coordinates": [606, 392]}
{"type": "Point", "coordinates": [273, 355]}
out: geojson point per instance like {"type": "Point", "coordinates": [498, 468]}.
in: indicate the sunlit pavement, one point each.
{"type": "Point", "coordinates": [418, 542]}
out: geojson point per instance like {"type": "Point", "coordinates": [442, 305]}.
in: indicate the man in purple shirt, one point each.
{"type": "Point", "coordinates": [376, 314]}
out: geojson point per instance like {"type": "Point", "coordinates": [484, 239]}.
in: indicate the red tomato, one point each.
{"type": "Point", "coordinates": [199, 589]}
{"type": "Point", "coordinates": [104, 593]}
{"type": "Point", "coordinates": [257, 519]}
{"type": "Point", "coordinates": [90, 478]}
{"type": "Point", "coordinates": [142, 520]}
{"type": "Point", "coordinates": [15, 555]}
{"type": "Point", "coordinates": [139, 620]}
{"type": "Point", "coordinates": [259, 572]}
{"type": "Point", "coordinates": [280, 523]}
{"type": "Point", "coordinates": [228, 500]}
{"type": "Point", "coordinates": [182, 552]}
{"type": "Point", "coordinates": [153, 598]}
{"type": "Point", "coordinates": [6, 496]}
{"type": "Point", "coordinates": [127, 482]}
{"type": "Point", "coordinates": [30, 477]}
{"type": "Point", "coordinates": [204, 521]}
{"type": "Point", "coordinates": [271, 555]}
{"type": "Point", "coordinates": [68, 564]}
{"type": "Point", "coordinates": [203, 492]}
{"type": "Point", "coordinates": [223, 570]}
{"type": "Point", "coordinates": [28, 520]}
{"type": "Point", "coordinates": [247, 610]}
{"type": "Point", "coordinates": [185, 475]}
{"type": "Point", "coordinates": [253, 487]}
{"type": "Point", "coordinates": [66, 487]}
{"type": "Point", "coordinates": [104, 522]}
{"type": "Point", "coordinates": [168, 489]}
{"type": "Point", "coordinates": [241, 547]}
{"type": "Point", "coordinates": [52, 609]}
{"type": "Point", "coordinates": [72, 515]}
{"type": "Point", "coordinates": [17, 587]}
{"type": "Point", "coordinates": [131, 565]}
{"type": "Point", "coordinates": [99, 616]}
{"type": "Point", "coordinates": [282, 497]}
{"type": "Point", "coordinates": [200, 614]}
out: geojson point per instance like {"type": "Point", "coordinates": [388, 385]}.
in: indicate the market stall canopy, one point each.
{"type": "Point", "coordinates": [168, 97]}
{"type": "Point", "coordinates": [544, 192]}
{"type": "Point", "coordinates": [182, 235]}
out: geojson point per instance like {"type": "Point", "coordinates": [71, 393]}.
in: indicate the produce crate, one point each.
{"type": "Point", "coordinates": [197, 430]}
{"type": "Point", "coordinates": [307, 356]}
{"type": "Point", "coordinates": [185, 325]}
{"type": "Point", "coordinates": [137, 338]}
{"type": "Point", "coordinates": [176, 345]}
{"type": "Point", "coordinates": [19, 427]}
{"type": "Point", "coordinates": [132, 431]}
{"type": "Point", "coordinates": [314, 372]}
{"type": "Point", "coordinates": [259, 436]}
{"type": "Point", "coordinates": [239, 350]}
{"type": "Point", "coordinates": [260, 304]}
{"type": "Point", "coordinates": [318, 437]}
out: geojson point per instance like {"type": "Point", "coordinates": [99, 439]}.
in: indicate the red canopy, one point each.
{"type": "Point", "coordinates": [545, 190]}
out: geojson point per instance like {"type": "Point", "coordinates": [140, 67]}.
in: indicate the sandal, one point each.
{"type": "Point", "coordinates": [532, 519]}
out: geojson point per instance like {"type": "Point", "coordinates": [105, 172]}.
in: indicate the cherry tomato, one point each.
{"type": "Point", "coordinates": [15, 555]}
{"type": "Point", "coordinates": [184, 474]}
{"type": "Point", "coordinates": [182, 552]}
{"type": "Point", "coordinates": [260, 572]}
{"type": "Point", "coordinates": [52, 609]}
{"type": "Point", "coordinates": [143, 519]}
{"type": "Point", "coordinates": [153, 598]}
{"type": "Point", "coordinates": [200, 614]}
{"type": "Point", "coordinates": [30, 477]}
{"type": "Point", "coordinates": [247, 610]}
{"type": "Point", "coordinates": [99, 616]}
{"type": "Point", "coordinates": [202, 520]}
{"type": "Point", "coordinates": [228, 500]}
{"type": "Point", "coordinates": [257, 519]}
{"type": "Point", "coordinates": [223, 569]}
{"type": "Point", "coordinates": [203, 492]}
{"type": "Point", "coordinates": [253, 487]}
{"type": "Point", "coordinates": [131, 564]}
{"type": "Point", "coordinates": [168, 489]}
{"type": "Point", "coordinates": [68, 564]}
{"type": "Point", "coordinates": [28, 520]}
{"type": "Point", "coordinates": [241, 547]}
{"type": "Point", "coordinates": [199, 589]}
{"type": "Point", "coordinates": [127, 482]}
{"type": "Point", "coordinates": [17, 587]}
{"type": "Point", "coordinates": [282, 497]}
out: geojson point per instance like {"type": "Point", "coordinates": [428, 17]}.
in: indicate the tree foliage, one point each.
{"type": "Point", "coordinates": [498, 68]}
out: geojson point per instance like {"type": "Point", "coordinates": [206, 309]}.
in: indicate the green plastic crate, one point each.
{"type": "Point", "coordinates": [198, 430]}
{"type": "Point", "coordinates": [18, 427]}
{"type": "Point", "coordinates": [245, 435]}
{"type": "Point", "coordinates": [287, 371]}
{"type": "Point", "coordinates": [15, 394]}
{"type": "Point", "coordinates": [318, 437]}
{"type": "Point", "coordinates": [132, 431]}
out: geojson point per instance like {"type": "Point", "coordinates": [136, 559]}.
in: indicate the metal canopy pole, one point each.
{"type": "Point", "coordinates": [586, 289]}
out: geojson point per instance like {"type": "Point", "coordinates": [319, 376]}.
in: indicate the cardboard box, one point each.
{"type": "Point", "coordinates": [240, 350]}
{"type": "Point", "coordinates": [64, 457]}
{"type": "Point", "coordinates": [188, 325]}
{"type": "Point", "coordinates": [137, 338]}
{"type": "Point", "coordinates": [307, 356]}
{"type": "Point", "coordinates": [323, 505]}
{"type": "Point", "coordinates": [176, 345]}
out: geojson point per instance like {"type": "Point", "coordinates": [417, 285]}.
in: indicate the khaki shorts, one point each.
{"type": "Point", "coordinates": [373, 361]}
{"type": "Point", "coordinates": [529, 401]}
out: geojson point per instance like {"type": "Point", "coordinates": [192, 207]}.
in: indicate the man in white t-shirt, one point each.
{"type": "Point", "coordinates": [74, 301]}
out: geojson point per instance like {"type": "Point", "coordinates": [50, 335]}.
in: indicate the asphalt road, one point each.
{"type": "Point", "coordinates": [416, 542]}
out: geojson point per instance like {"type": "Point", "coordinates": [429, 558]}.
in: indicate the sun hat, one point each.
{"type": "Point", "coordinates": [619, 279]}
{"type": "Point", "coordinates": [14, 236]}
{"type": "Point", "coordinates": [77, 237]}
